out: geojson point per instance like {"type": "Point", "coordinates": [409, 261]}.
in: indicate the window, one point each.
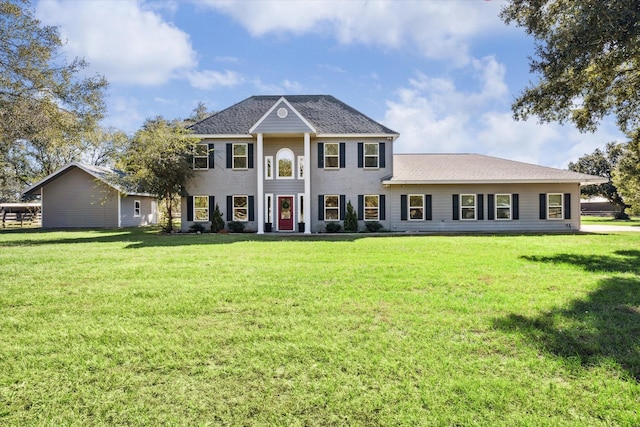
{"type": "Point", "coordinates": [300, 207]}
{"type": "Point", "coordinates": [555, 208]}
{"type": "Point", "coordinates": [136, 208]}
{"type": "Point", "coordinates": [201, 208]}
{"type": "Point", "coordinates": [371, 155]}
{"type": "Point", "coordinates": [268, 167]}
{"type": "Point", "coordinates": [268, 207]}
{"type": "Point", "coordinates": [416, 207]}
{"type": "Point", "coordinates": [468, 206]}
{"type": "Point", "coordinates": [331, 208]}
{"type": "Point", "coordinates": [371, 208]}
{"type": "Point", "coordinates": [331, 155]}
{"type": "Point", "coordinates": [503, 206]}
{"type": "Point", "coordinates": [284, 164]}
{"type": "Point", "coordinates": [240, 208]}
{"type": "Point", "coordinates": [201, 157]}
{"type": "Point", "coordinates": [300, 167]}
{"type": "Point", "coordinates": [240, 156]}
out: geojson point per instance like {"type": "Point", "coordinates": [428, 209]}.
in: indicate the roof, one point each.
{"type": "Point", "coordinates": [476, 169]}
{"type": "Point", "coordinates": [110, 177]}
{"type": "Point", "coordinates": [326, 114]}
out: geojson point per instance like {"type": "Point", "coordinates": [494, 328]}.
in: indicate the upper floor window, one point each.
{"type": "Point", "coordinates": [555, 206]}
{"type": "Point", "coordinates": [467, 206]}
{"type": "Point", "coordinates": [201, 157]}
{"type": "Point", "coordinates": [268, 167]}
{"type": "Point", "coordinates": [503, 206]}
{"type": "Point", "coordinates": [331, 155]}
{"type": "Point", "coordinates": [300, 167]}
{"type": "Point", "coordinates": [284, 164]}
{"type": "Point", "coordinates": [371, 155]}
{"type": "Point", "coordinates": [240, 156]}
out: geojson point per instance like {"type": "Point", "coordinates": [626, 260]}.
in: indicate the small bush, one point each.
{"type": "Point", "coordinates": [196, 227]}
{"type": "Point", "coordinates": [373, 226]}
{"type": "Point", "coordinates": [217, 222]}
{"type": "Point", "coordinates": [350, 219]}
{"type": "Point", "coordinates": [332, 227]}
{"type": "Point", "coordinates": [236, 227]}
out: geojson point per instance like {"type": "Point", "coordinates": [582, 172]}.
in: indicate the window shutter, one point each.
{"type": "Point", "coordinates": [320, 155]}
{"type": "Point", "coordinates": [250, 155]}
{"type": "Point", "coordinates": [382, 207]}
{"type": "Point", "coordinates": [229, 156]}
{"type": "Point", "coordinates": [360, 206]}
{"type": "Point", "coordinates": [515, 206]}
{"type": "Point", "coordinates": [229, 208]}
{"type": "Point", "coordinates": [381, 159]}
{"type": "Point", "coordinates": [456, 207]}
{"type": "Point", "coordinates": [491, 207]}
{"type": "Point", "coordinates": [252, 214]}
{"type": "Point", "coordinates": [189, 208]}
{"type": "Point", "coordinates": [321, 207]}
{"type": "Point", "coordinates": [428, 207]}
{"type": "Point", "coordinates": [567, 205]}
{"type": "Point", "coordinates": [403, 207]}
{"type": "Point", "coordinates": [360, 154]}
{"type": "Point", "coordinates": [480, 206]}
{"type": "Point", "coordinates": [342, 206]}
{"type": "Point", "coordinates": [342, 154]}
{"type": "Point", "coordinates": [211, 156]}
{"type": "Point", "coordinates": [543, 206]}
{"type": "Point", "coordinates": [212, 203]}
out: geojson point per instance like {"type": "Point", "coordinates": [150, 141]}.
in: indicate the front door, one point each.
{"type": "Point", "coordinates": [285, 213]}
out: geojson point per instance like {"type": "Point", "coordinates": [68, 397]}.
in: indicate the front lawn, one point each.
{"type": "Point", "coordinates": [128, 327]}
{"type": "Point", "coordinates": [607, 220]}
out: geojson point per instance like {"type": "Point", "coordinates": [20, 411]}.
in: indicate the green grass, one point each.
{"type": "Point", "coordinates": [129, 327]}
{"type": "Point", "coordinates": [607, 220]}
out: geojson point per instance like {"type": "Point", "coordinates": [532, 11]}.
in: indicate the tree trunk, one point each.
{"type": "Point", "coordinates": [169, 215]}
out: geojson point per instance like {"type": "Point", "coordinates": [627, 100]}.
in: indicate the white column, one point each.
{"type": "Point", "coordinates": [260, 195]}
{"type": "Point", "coordinates": [307, 183]}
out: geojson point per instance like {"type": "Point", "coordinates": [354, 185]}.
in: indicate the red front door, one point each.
{"type": "Point", "coordinates": [285, 213]}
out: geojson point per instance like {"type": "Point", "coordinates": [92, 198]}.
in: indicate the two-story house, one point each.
{"type": "Point", "coordinates": [292, 163]}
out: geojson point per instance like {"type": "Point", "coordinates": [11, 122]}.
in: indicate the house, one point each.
{"type": "Point", "coordinates": [293, 163]}
{"type": "Point", "coordinates": [85, 196]}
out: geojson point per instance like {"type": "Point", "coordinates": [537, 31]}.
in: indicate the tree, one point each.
{"type": "Point", "coordinates": [588, 60]}
{"type": "Point", "coordinates": [603, 164]}
{"type": "Point", "coordinates": [217, 221]}
{"type": "Point", "coordinates": [157, 160]}
{"type": "Point", "coordinates": [198, 113]}
{"type": "Point", "coordinates": [627, 175]}
{"type": "Point", "coordinates": [350, 219]}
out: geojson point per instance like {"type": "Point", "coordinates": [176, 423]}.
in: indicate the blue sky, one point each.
{"type": "Point", "coordinates": [442, 73]}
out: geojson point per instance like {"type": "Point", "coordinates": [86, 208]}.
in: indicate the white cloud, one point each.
{"type": "Point", "coordinates": [437, 29]}
{"type": "Point", "coordinates": [121, 40]}
{"type": "Point", "coordinates": [210, 79]}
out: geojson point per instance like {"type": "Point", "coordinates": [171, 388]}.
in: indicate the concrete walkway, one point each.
{"type": "Point", "coordinates": [593, 228]}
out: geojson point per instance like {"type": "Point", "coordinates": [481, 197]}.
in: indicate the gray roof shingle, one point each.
{"type": "Point", "coordinates": [327, 114]}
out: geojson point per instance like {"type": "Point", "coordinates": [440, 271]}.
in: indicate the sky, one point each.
{"type": "Point", "coordinates": [441, 73]}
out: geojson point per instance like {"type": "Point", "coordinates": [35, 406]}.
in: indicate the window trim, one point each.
{"type": "Point", "coordinates": [234, 157]}
{"type": "Point", "coordinates": [137, 209]}
{"type": "Point", "coordinates": [561, 206]}
{"type": "Point", "coordinates": [332, 208]}
{"type": "Point", "coordinates": [336, 156]}
{"type": "Point", "coordinates": [200, 156]}
{"type": "Point", "coordinates": [496, 207]}
{"type": "Point", "coordinates": [234, 208]}
{"type": "Point", "coordinates": [365, 155]}
{"type": "Point", "coordinates": [201, 209]}
{"type": "Point", "coordinates": [463, 207]}
{"type": "Point", "coordinates": [365, 208]}
{"type": "Point", "coordinates": [282, 152]}
{"type": "Point", "coordinates": [423, 207]}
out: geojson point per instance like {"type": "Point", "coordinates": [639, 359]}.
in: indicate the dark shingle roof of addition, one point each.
{"type": "Point", "coordinates": [325, 113]}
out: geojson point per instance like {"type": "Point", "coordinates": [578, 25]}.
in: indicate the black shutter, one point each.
{"type": "Point", "coordinates": [515, 206]}
{"type": "Point", "coordinates": [229, 208]}
{"type": "Point", "coordinates": [189, 208]}
{"type": "Point", "coordinates": [320, 155]}
{"type": "Point", "coordinates": [480, 206]}
{"type": "Point", "coordinates": [456, 207]}
{"type": "Point", "coordinates": [490, 206]}
{"type": "Point", "coordinates": [360, 154]}
{"type": "Point", "coordinates": [320, 207]}
{"type": "Point", "coordinates": [543, 206]}
{"type": "Point", "coordinates": [212, 203]}
{"type": "Point", "coordinates": [211, 156]}
{"type": "Point", "coordinates": [428, 208]}
{"type": "Point", "coordinates": [403, 207]}
{"type": "Point", "coordinates": [229, 156]}
{"type": "Point", "coordinates": [342, 206]}
{"type": "Point", "coordinates": [252, 215]}
{"type": "Point", "coordinates": [250, 155]}
{"type": "Point", "coordinates": [342, 154]}
{"type": "Point", "coordinates": [567, 205]}
{"type": "Point", "coordinates": [381, 153]}
{"type": "Point", "coordinates": [382, 207]}
{"type": "Point", "coordinates": [360, 206]}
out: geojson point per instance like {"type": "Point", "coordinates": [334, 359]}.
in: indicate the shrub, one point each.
{"type": "Point", "coordinates": [372, 226]}
{"type": "Point", "coordinates": [236, 226]}
{"type": "Point", "coordinates": [332, 227]}
{"type": "Point", "coordinates": [196, 227]}
{"type": "Point", "coordinates": [350, 219]}
{"type": "Point", "coordinates": [217, 222]}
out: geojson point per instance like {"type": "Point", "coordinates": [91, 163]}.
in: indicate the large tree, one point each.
{"type": "Point", "coordinates": [157, 160]}
{"type": "Point", "coordinates": [627, 175]}
{"type": "Point", "coordinates": [603, 163]}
